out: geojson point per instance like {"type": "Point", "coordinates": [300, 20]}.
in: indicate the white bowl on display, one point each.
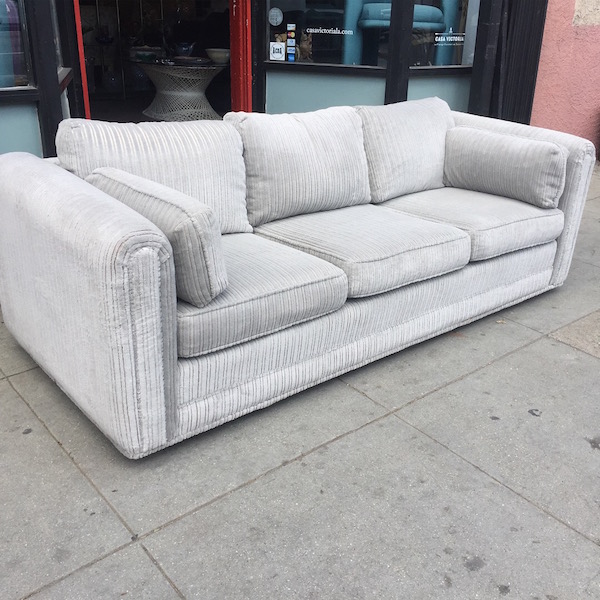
{"type": "Point", "coordinates": [220, 56]}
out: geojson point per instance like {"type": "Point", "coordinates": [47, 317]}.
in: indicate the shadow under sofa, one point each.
{"type": "Point", "coordinates": [171, 277]}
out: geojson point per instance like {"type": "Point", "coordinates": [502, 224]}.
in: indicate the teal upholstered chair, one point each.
{"type": "Point", "coordinates": [362, 15]}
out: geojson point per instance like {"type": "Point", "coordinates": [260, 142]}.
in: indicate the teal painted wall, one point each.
{"type": "Point", "coordinates": [300, 92]}
{"type": "Point", "coordinates": [19, 129]}
{"type": "Point", "coordinates": [454, 89]}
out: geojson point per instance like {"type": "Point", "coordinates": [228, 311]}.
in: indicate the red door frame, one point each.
{"type": "Point", "coordinates": [241, 55]}
{"type": "Point", "coordinates": [82, 70]}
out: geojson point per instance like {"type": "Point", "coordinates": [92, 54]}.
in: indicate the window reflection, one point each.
{"type": "Point", "coordinates": [306, 30]}
{"type": "Point", "coordinates": [13, 68]}
{"type": "Point", "coordinates": [356, 32]}
{"type": "Point", "coordinates": [440, 30]}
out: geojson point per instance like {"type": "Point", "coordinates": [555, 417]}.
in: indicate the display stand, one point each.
{"type": "Point", "coordinates": [180, 91]}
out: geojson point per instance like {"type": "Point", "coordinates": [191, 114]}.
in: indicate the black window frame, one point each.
{"type": "Point", "coordinates": [47, 80]}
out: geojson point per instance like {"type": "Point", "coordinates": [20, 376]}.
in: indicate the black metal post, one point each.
{"type": "Point", "coordinates": [399, 51]}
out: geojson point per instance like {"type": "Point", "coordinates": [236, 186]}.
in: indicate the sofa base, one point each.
{"type": "Point", "coordinates": [313, 352]}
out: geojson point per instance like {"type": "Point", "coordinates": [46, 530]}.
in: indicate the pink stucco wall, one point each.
{"type": "Point", "coordinates": [567, 94]}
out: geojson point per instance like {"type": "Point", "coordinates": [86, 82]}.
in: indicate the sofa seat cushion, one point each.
{"type": "Point", "coordinates": [271, 287]}
{"type": "Point", "coordinates": [405, 146]}
{"type": "Point", "coordinates": [378, 249]}
{"type": "Point", "coordinates": [202, 159]}
{"type": "Point", "coordinates": [302, 163]}
{"type": "Point", "coordinates": [496, 225]}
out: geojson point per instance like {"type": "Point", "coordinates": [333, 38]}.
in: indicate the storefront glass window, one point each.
{"type": "Point", "coordinates": [442, 30]}
{"type": "Point", "coordinates": [13, 66]}
{"type": "Point", "coordinates": [356, 32]}
{"type": "Point", "coordinates": [309, 31]}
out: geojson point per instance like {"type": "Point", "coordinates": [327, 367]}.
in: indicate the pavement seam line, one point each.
{"type": "Point", "coordinates": [507, 318]}
{"type": "Point", "coordinates": [595, 310]}
{"type": "Point", "coordinates": [547, 512]}
{"type": "Point", "coordinates": [75, 463]}
{"type": "Point", "coordinates": [80, 568]}
{"type": "Point", "coordinates": [36, 366]}
{"type": "Point", "coordinates": [459, 378]}
{"type": "Point", "coordinates": [591, 580]}
{"type": "Point", "coordinates": [163, 572]}
{"type": "Point", "coordinates": [365, 395]}
{"type": "Point", "coordinates": [552, 331]}
{"type": "Point", "coordinates": [257, 478]}
{"type": "Point", "coordinates": [569, 345]}
{"type": "Point", "coordinates": [141, 536]}
{"type": "Point", "coordinates": [465, 375]}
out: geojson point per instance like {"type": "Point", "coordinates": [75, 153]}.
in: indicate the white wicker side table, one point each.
{"type": "Point", "coordinates": [180, 91]}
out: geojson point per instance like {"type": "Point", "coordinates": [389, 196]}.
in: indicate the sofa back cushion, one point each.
{"type": "Point", "coordinates": [405, 145]}
{"type": "Point", "coordinates": [190, 227]}
{"type": "Point", "coordinates": [533, 171]}
{"type": "Point", "coordinates": [302, 163]}
{"type": "Point", "coordinates": [202, 159]}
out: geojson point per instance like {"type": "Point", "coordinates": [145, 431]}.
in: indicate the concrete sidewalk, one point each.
{"type": "Point", "coordinates": [466, 467]}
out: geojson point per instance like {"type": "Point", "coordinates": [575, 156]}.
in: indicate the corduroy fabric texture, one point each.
{"type": "Point", "coordinates": [378, 249]}
{"type": "Point", "coordinates": [405, 146]}
{"type": "Point", "coordinates": [496, 225]}
{"type": "Point", "coordinates": [190, 227]}
{"type": "Point", "coordinates": [270, 287]}
{"type": "Point", "coordinates": [580, 164]}
{"type": "Point", "coordinates": [505, 165]}
{"type": "Point", "coordinates": [202, 159]}
{"type": "Point", "coordinates": [363, 330]}
{"type": "Point", "coordinates": [302, 163]}
{"type": "Point", "coordinates": [87, 287]}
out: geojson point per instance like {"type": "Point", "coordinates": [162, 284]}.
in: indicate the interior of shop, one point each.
{"type": "Point", "coordinates": [121, 36]}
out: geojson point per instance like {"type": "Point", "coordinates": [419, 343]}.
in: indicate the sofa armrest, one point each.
{"type": "Point", "coordinates": [580, 164]}
{"type": "Point", "coordinates": [87, 287]}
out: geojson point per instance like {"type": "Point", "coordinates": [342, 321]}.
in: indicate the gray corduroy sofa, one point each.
{"type": "Point", "coordinates": [171, 277]}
